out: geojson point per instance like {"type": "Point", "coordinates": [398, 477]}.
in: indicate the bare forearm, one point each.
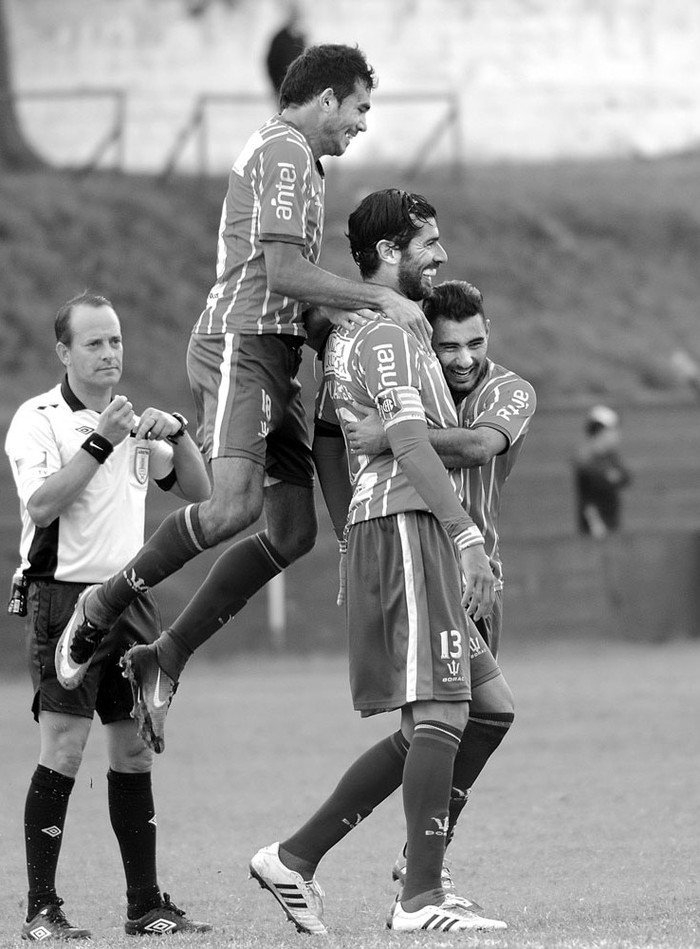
{"type": "Point", "coordinates": [61, 489]}
{"type": "Point", "coordinates": [456, 447]}
{"type": "Point", "coordinates": [192, 478]}
{"type": "Point", "coordinates": [301, 280]}
{"type": "Point", "coordinates": [466, 448]}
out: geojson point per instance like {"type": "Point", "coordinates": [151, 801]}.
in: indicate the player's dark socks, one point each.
{"type": "Point", "coordinates": [44, 817]}
{"type": "Point", "coordinates": [240, 571]}
{"type": "Point", "coordinates": [484, 733]}
{"type": "Point", "coordinates": [177, 540]}
{"type": "Point", "coordinates": [427, 779]}
{"type": "Point", "coordinates": [368, 781]}
{"type": "Point", "coordinates": [133, 818]}
{"type": "Point", "coordinates": [423, 899]}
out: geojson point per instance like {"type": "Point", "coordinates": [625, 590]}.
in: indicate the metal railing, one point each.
{"type": "Point", "coordinates": [113, 139]}
{"type": "Point", "coordinates": [196, 127]}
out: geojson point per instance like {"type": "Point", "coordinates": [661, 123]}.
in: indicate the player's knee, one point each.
{"type": "Point", "coordinates": [221, 521]}
{"type": "Point", "coordinates": [493, 696]}
{"type": "Point", "coordinates": [132, 758]}
{"type": "Point", "coordinates": [454, 714]}
{"type": "Point", "coordinates": [293, 536]}
{"type": "Point", "coordinates": [64, 757]}
{"type": "Point", "coordinates": [303, 541]}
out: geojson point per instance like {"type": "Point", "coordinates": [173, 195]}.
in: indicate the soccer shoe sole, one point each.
{"type": "Point", "coordinates": [145, 726]}
{"type": "Point", "coordinates": [69, 673]}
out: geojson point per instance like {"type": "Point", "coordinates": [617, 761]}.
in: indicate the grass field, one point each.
{"type": "Point", "coordinates": [584, 831]}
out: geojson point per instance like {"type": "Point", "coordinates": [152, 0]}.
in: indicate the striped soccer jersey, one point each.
{"type": "Point", "coordinates": [276, 193]}
{"type": "Point", "coordinates": [381, 366]}
{"type": "Point", "coordinates": [506, 402]}
{"type": "Point", "coordinates": [103, 528]}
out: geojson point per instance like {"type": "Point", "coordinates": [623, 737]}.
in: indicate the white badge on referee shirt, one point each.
{"type": "Point", "coordinates": [141, 456]}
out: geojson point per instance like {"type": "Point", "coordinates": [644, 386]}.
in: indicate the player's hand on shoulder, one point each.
{"type": "Point", "coordinates": [117, 420]}
{"type": "Point", "coordinates": [409, 315]}
{"type": "Point", "coordinates": [348, 319]}
{"type": "Point", "coordinates": [480, 588]}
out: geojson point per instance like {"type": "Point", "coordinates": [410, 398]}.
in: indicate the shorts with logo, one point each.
{"type": "Point", "coordinates": [248, 402]}
{"type": "Point", "coordinates": [103, 690]}
{"type": "Point", "coordinates": [407, 629]}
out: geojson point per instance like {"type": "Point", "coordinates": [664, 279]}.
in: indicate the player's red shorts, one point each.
{"type": "Point", "coordinates": [104, 689]}
{"type": "Point", "coordinates": [409, 637]}
{"type": "Point", "coordinates": [248, 402]}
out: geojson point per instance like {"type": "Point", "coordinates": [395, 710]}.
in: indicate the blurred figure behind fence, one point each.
{"type": "Point", "coordinates": [600, 475]}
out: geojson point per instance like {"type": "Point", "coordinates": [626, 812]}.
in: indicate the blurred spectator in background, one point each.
{"type": "Point", "coordinates": [600, 475]}
{"type": "Point", "coordinates": [686, 369]}
{"type": "Point", "coordinates": [288, 43]}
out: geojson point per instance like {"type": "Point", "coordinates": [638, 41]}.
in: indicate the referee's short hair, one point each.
{"type": "Point", "coordinates": [62, 327]}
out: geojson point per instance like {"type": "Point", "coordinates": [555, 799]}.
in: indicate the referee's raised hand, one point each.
{"type": "Point", "coordinates": [117, 420]}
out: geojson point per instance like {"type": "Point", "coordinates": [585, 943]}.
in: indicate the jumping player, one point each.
{"type": "Point", "coordinates": [242, 361]}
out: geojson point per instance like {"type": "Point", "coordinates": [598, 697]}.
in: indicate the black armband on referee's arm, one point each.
{"type": "Point", "coordinates": [98, 446]}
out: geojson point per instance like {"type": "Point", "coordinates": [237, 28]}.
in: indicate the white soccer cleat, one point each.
{"type": "Point", "coordinates": [398, 873]}
{"type": "Point", "coordinates": [301, 900]}
{"type": "Point", "coordinates": [77, 644]}
{"type": "Point", "coordinates": [454, 914]}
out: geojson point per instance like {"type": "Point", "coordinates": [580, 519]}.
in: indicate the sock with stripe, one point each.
{"type": "Point", "coordinates": [427, 780]}
{"type": "Point", "coordinates": [176, 541]}
{"type": "Point", "coordinates": [239, 572]}
{"type": "Point", "coordinates": [484, 733]}
{"type": "Point", "coordinates": [133, 818]}
{"type": "Point", "coordinates": [44, 818]}
{"type": "Point", "coordinates": [368, 781]}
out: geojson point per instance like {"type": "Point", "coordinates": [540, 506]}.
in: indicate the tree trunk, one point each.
{"type": "Point", "coordinates": [15, 153]}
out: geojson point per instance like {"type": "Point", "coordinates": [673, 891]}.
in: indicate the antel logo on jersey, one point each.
{"type": "Point", "coordinates": [285, 185]}
{"type": "Point", "coordinates": [387, 365]}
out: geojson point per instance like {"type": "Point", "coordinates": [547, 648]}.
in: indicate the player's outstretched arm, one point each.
{"type": "Point", "coordinates": [290, 274]}
{"type": "Point", "coordinates": [456, 447]}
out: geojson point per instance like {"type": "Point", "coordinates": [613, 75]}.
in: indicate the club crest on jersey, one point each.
{"type": "Point", "coordinates": [141, 456]}
{"type": "Point", "coordinates": [389, 406]}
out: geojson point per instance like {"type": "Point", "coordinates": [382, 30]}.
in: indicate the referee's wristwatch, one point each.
{"type": "Point", "coordinates": [174, 439]}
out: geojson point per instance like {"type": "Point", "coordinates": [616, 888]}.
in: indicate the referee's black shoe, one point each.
{"type": "Point", "coordinates": [163, 920]}
{"type": "Point", "coordinates": [77, 644]}
{"type": "Point", "coordinates": [50, 923]}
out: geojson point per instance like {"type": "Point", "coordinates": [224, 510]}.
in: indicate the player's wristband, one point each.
{"type": "Point", "coordinates": [469, 538]}
{"type": "Point", "coordinates": [98, 446]}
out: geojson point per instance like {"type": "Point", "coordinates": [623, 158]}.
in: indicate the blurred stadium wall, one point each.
{"type": "Point", "coordinates": [476, 79]}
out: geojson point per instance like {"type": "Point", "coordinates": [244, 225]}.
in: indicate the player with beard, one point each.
{"type": "Point", "coordinates": [494, 406]}
{"type": "Point", "coordinates": [409, 543]}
